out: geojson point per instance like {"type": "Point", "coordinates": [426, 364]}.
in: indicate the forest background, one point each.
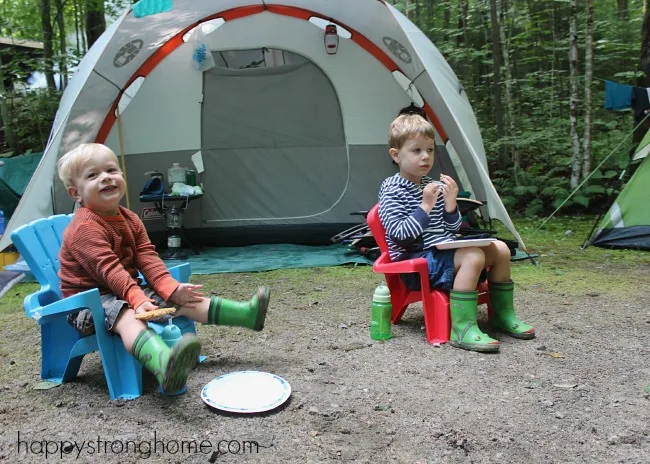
{"type": "Point", "coordinates": [534, 71]}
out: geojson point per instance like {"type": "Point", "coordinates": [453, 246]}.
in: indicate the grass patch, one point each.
{"type": "Point", "coordinates": [12, 301]}
{"type": "Point", "coordinates": [564, 268]}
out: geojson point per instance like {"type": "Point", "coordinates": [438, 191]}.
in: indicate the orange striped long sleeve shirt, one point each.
{"type": "Point", "coordinates": [106, 252]}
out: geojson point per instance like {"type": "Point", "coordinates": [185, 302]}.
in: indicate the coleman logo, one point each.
{"type": "Point", "coordinates": [151, 213]}
{"type": "Point", "coordinates": [125, 54]}
{"type": "Point", "coordinates": [397, 49]}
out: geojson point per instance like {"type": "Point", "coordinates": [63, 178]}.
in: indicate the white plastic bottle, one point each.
{"type": "Point", "coordinates": [175, 174]}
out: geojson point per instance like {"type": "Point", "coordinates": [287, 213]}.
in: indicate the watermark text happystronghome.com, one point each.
{"type": "Point", "coordinates": [156, 446]}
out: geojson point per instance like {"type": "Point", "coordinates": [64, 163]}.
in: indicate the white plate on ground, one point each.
{"type": "Point", "coordinates": [476, 242]}
{"type": "Point", "coordinates": [246, 392]}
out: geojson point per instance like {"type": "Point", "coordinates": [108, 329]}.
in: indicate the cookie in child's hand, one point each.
{"type": "Point", "coordinates": [154, 313]}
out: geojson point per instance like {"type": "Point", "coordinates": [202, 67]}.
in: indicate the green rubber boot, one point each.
{"type": "Point", "coordinates": [170, 366]}
{"type": "Point", "coordinates": [465, 333]}
{"type": "Point", "coordinates": [249, 314]}
{"type": "Point", "coordinates": [503, 311]}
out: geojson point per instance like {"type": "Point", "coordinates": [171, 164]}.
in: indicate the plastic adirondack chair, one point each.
{"type": "Point", "coordinates": [62, 347]}
{"type": "Point", "coordinates": [435, 302]}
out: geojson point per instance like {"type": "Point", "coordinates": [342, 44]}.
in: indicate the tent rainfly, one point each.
{"type": "Point", "coordinates": [292, 136]}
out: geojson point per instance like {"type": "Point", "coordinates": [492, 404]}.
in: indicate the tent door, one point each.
{"type": "Point", "coordinates": [272, 139]}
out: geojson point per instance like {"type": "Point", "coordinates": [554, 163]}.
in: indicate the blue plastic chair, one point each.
{"type": "Point", "coordinates": [62, 347]}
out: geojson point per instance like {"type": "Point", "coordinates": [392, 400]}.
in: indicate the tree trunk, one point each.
{"type": "Point", "coordinates": [63, 69]}
{"type": "Point", "coordinates": [553, 58]}
{"type": "Point", "coordinates": [48, 47]}
{"type": "Point", "coordinates": [642, 81]}
{"type": "Point", "coordinates": [76, 26]}
{"type": "Point", "coordinates": [95, 21]}
{"type": "Point", "coordinates": [509, 101]}
{"type": "Point", "coordinates": [82, 26]}
{"type": "Point", "coordinates": [622, 10]}
{"type": "Point", "coordinates": [430, 18]}
{"type": "Point", "coordinates": [463, 12]}
{"type": "Point", "coordinates": [4, 115]}
{"type": "Point", "coordinates": [644, 66]}
{"type": "Point", "coordinates": [496, 67]}
{"type": "Point", "coordinates": [446, 19]}
{"type": "Point", "coordinates": [573, 98]}
{"type": "Point", "coordinates": [589, 62]}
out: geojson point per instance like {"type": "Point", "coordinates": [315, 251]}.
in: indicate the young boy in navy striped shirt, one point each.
{"type": "Point", "coordinates": [418, 212]}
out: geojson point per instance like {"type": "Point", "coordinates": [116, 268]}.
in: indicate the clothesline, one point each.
{"type": "Point", "coordinates": [624, 96]}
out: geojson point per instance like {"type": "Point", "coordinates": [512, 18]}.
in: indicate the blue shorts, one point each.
{"type": "Point", "coordinates": [441, 269]}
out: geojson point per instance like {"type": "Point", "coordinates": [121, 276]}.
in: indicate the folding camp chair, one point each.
{"type": "Point", "coordinates": [435, 302]}
{"type": "Point", "coordinates": [62, 347]}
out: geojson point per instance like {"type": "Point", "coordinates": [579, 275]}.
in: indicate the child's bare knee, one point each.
{"type": "Point", "coordinates": [503, 251]}
{"type": "Point", "coordinates": [126, 319]}
{"type": "Point", "coordinates": [474, 258]}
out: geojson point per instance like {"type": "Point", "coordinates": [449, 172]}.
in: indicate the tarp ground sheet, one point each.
{"type": "Point", "coordinates": [15, 175]}
{"type": "Point", "coordinates": [269, 257]}
{"type": "Point", "coordinates": [9, 279]}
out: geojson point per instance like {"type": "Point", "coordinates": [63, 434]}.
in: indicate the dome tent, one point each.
{"type": "Point", "coordinates": [627, 223]}
{"type": "Point", "coordinates": [292, 138]}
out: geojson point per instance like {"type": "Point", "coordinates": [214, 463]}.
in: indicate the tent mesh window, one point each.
{"type": "Point", "coordinates": [257, 58]}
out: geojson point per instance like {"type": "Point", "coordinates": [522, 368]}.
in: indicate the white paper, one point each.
{"type": "Point", "coordinates": [468, 242]}
{"type": "Point", "coordinates": [197, 159]}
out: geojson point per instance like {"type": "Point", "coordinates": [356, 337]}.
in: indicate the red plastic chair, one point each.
{"type": "Point", "coordinates": [435, 302]}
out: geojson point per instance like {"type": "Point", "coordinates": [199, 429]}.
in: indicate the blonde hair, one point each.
{"type": "Point", "coordinates": [69, 165]}
{"type": "Point", "coordinates": [406, 126]}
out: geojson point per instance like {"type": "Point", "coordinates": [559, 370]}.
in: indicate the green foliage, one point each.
{"type": "Point", "coordinates": [20, 19]}
{"type": "Point", "coordinates": [32, 115]}
{"type": "Point", "coordinates": [538, 38]}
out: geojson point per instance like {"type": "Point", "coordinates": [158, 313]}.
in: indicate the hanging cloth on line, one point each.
{"type": "Point", "coordinates": [617, 96]}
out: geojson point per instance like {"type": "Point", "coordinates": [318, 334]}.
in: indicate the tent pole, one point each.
{"type": "Point", "coordinates": [585, 244]}
{"type": "Point", "coordinates": [609, 203]}
{"type": "Point", "coordinates": [119, 136]}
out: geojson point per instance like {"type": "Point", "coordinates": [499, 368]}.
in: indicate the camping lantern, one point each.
{"type": "Point", "coordinates": [174, 225]}
{"type": "Point", "coordinates": [331, 39]}
{"type": "Point", "coordinates": [173, 218]}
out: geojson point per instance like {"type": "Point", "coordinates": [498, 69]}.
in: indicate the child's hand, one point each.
{"type": "Point", "coordinates": [449, 192]}
{"type": "Point", "coordinates": [187, 295]}
{"type": "Point", "coordinates": [430, 195]}
{"type": "Point", "coordinates": [146, 306]}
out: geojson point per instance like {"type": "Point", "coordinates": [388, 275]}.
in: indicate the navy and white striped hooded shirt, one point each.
{"type": "Point", "coordinates": [408, 227]}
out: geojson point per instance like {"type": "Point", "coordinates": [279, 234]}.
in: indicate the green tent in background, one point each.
{"type": "Point", "coordinates": [14, 177]}
{"type": "Point", "coordinates": [627, 223]}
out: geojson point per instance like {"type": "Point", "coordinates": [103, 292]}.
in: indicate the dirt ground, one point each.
{"type": "Point", "coordinates": [574, 394]}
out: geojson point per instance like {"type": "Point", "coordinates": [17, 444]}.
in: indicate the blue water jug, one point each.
{"type": "Point", "coordinates": [171, 334]}
{"type": "Point", "coordinates": [2, 222]}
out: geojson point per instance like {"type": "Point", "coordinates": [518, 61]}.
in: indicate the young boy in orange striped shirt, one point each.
{"type": "Point", "coordinates": [106, 245]}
